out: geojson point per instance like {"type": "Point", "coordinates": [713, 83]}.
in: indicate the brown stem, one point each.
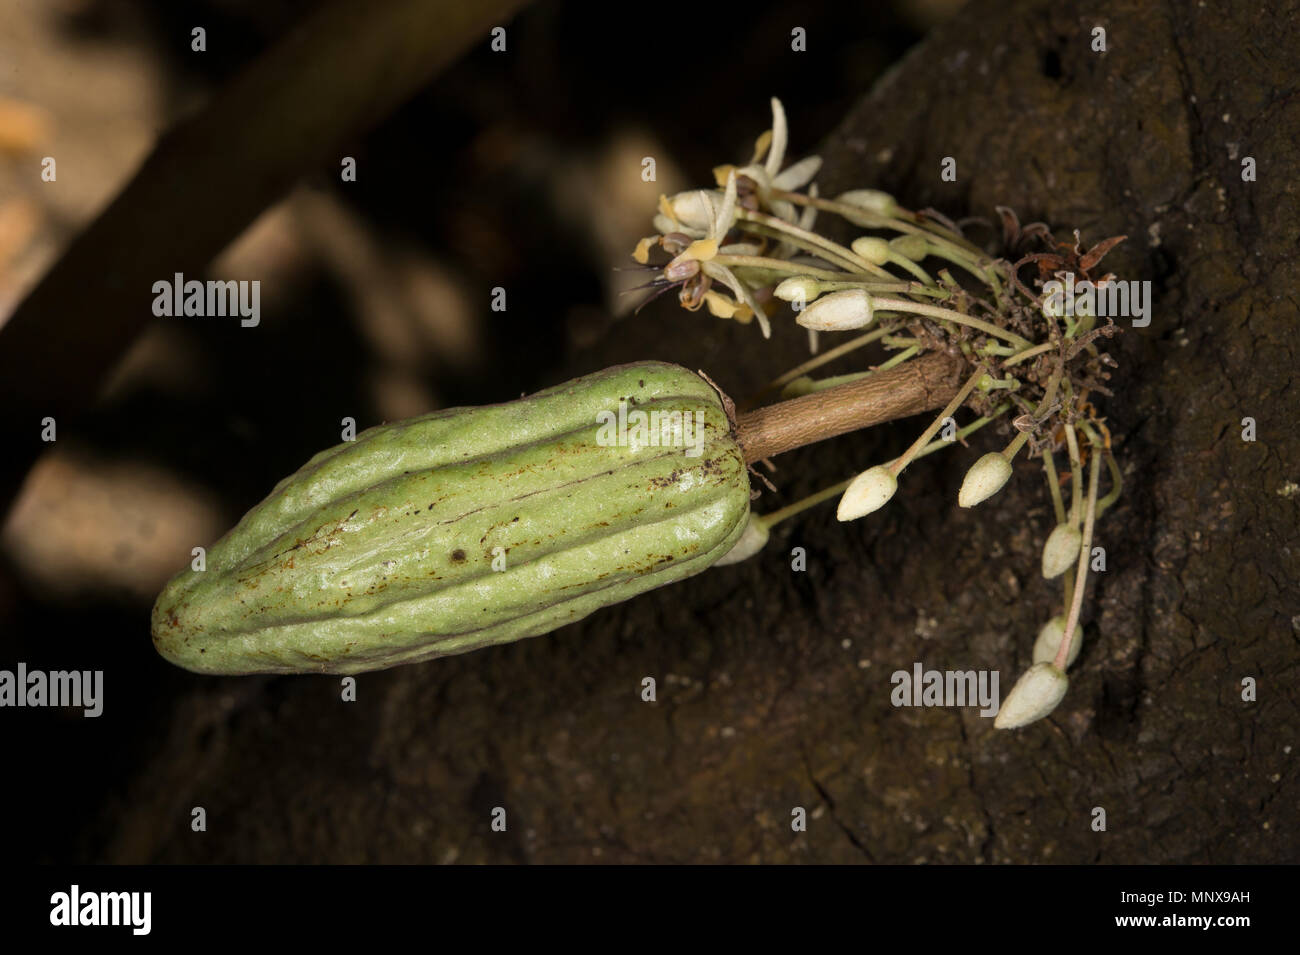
{"type": "Point", "coordinates": [923, 384]}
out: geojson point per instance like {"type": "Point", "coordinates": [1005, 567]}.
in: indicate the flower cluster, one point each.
{"type": "Point", "coordinates": [755, 206]}
{"type": "Point", "coordinates": [745, 247]}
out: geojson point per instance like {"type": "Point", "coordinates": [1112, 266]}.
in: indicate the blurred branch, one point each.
{"type": "Point", "coordinates": [342, 70]}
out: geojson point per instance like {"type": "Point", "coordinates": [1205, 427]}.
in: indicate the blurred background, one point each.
{"type": "Point", "coordinates": [520, 170]}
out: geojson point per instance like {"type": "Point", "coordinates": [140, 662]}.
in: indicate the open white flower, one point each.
{"type": "Point", "coordinates": [700, 254]}
{"type": "Point", "coordinates": [768, 174]}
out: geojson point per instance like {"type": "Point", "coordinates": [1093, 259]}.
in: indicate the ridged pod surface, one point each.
{"type": "Point", "coordinates": [380, 551]}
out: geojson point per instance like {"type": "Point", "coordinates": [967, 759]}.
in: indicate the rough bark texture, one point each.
{"type": "Point", "coordinates": [773, 685]}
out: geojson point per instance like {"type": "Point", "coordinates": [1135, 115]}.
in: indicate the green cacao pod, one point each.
{"type": "Point", "coordinates": [468, 527]}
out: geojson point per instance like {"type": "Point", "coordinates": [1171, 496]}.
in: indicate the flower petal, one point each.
{"type": "Point", "coordinates": [701, 249]}
{"type": "Point", "coordinates": [710, 211]}
{"type": "Point", "coordinates": [665, 225]}
{"type": "Point", "coordinates": [780, 134]}
{"type": "Point", "coordinates": [642, 251]}
{"type": "Point", "coordinates": [728, 278]}
{"type": "Point", "coordinates": [808, 218]}
{"type": "Point", "coordinates": [719, 304]}
{"type": "Point", "coordinates": [798, 175]}
{"type": "Point", "coordinates": [696, 208]}
{"type": "Point", "coordinates": [784, 210]}
{"type": "Point", "coordinates": [727, 214]}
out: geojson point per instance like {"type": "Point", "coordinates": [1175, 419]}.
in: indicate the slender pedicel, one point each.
{"type": "Point", "coordinates": [916, 308]}
{"type": "Point", "coordinates": [1085, 551]}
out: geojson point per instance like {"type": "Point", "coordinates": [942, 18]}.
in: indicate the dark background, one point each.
{"type": "Point", "coordinates": [523, 171]}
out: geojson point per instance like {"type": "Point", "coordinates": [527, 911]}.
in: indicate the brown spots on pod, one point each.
{"type": "Point", "coordinates": [458, 556]}
{"type": "Point", "coordinates": [667, 481]}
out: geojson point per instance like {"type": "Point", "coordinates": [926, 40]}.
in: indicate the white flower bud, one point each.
{"type": "Point", "coordinates": [752, 539]}
{"type": "Point", "coordinates": [872, 248]}
{"type": "Point", "coordinates": [692, 208]}
{"type": "Point", "coordinates": [1061, 550]}
{"type": "Point", "coordinates": [1036, 693]}
{"type": "Point", "coordinates": [838, 311]}
{"type": "Point", "coordinates": [912, 247]}
{"type": "Point", "coordinates": [870, 200]}
{"type": "Point", "coordinates": [870, 491]}
{"type": "Point", "coordinates": [803, 385]}
{"type": "Point", "coordinates": [984, 479]}
{"type": "Point", "coordinates": [1049, 641]}
{"type": "Point", "coordinates": [798, 288]}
